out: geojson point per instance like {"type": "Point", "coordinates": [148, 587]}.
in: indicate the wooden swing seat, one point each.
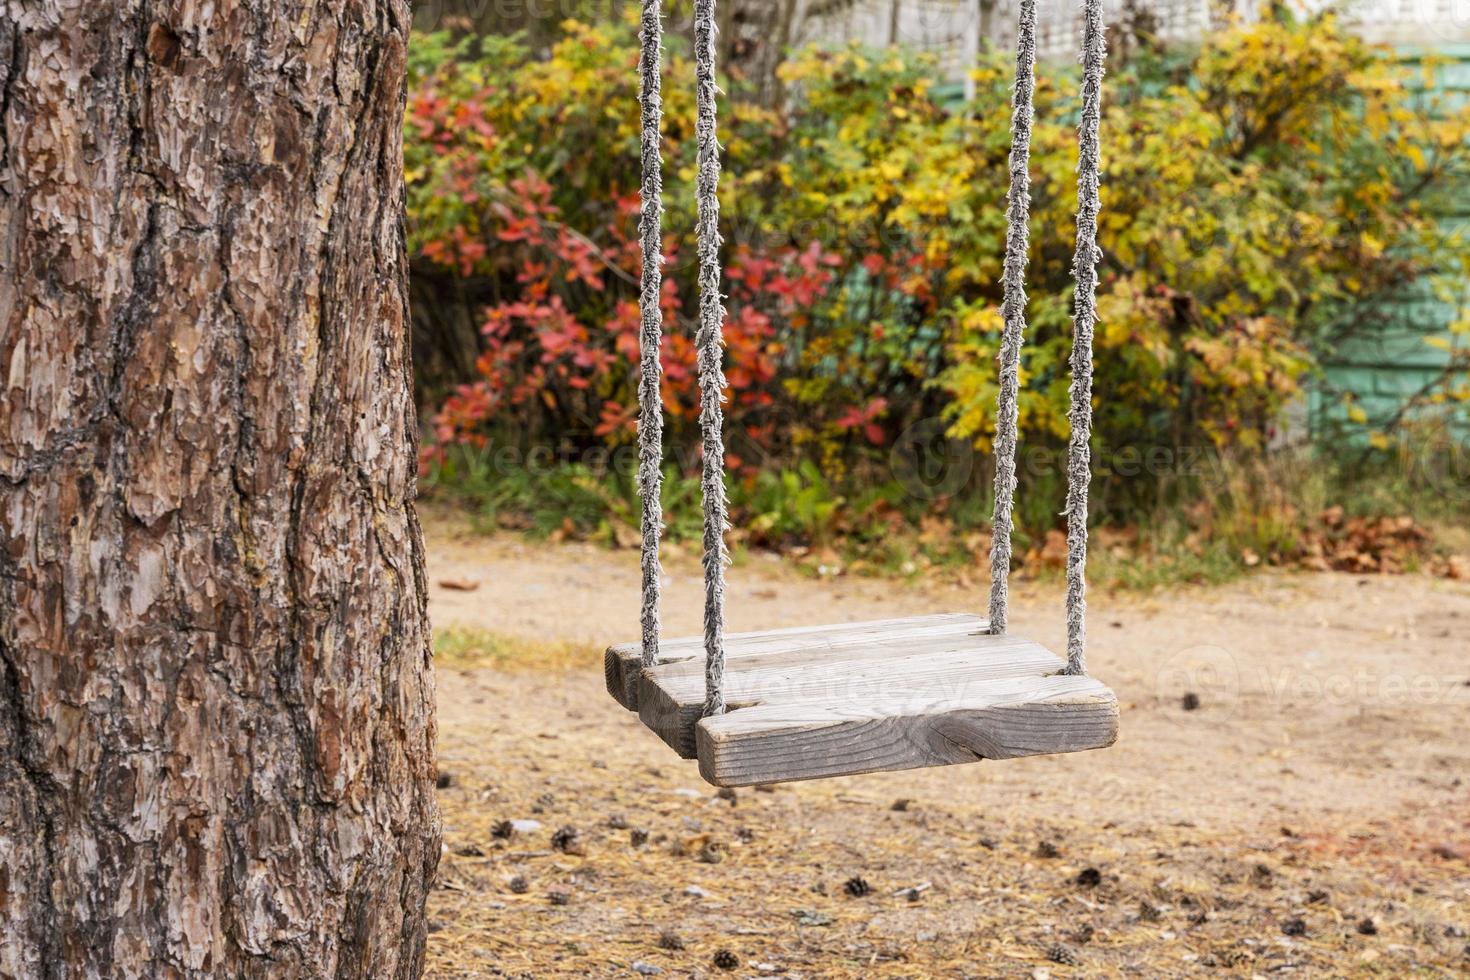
{"type": "Point", "coordinates": [821, 701]}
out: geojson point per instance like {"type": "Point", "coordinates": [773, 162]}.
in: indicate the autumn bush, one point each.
{"type": "Point", "coordinates": [1260, 193]}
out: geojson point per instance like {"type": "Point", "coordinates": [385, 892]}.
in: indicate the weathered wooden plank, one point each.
{"type": "Point", "coordinates": [671, 697]}
{"type": "Point", "coordinates": [863, 697]}
{"type": "Point", "coordinates": [621, 663]}
{"type": "Point", "coordinates": [688, 674]}
{"type": "Point", "coordinates": [992, 719]}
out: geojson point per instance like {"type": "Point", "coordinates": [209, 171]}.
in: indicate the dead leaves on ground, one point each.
{"type": "Point", "coordinates": [1374, 545]}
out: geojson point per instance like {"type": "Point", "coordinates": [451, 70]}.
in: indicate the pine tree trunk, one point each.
{"type": "Point", "coordinates": [216, 701]}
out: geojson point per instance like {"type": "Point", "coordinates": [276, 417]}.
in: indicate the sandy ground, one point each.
{"type": "Point", "coordinates": [1311, 816]}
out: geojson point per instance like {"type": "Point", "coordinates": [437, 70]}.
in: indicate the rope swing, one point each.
{"type": "Point", "coordinates": [1013, 310]}
{"type": "Point", "coordinates": [709, 345]}
{"type": "Point", "coordinates": [650, 332]}
{"type": "Point", "coordinates": [1084, 317]}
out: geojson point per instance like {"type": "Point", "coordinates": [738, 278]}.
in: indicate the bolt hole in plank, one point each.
{"type": "Point", "coordinates": [813, 702]}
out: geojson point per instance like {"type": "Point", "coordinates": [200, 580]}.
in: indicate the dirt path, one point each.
{"type": "Point", "coordinates": [1327, 755]}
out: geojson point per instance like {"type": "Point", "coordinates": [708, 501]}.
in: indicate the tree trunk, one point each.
{"type": "Point", "coordinates": [216, 699]}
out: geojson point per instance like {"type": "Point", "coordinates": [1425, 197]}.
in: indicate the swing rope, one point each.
{"type": "Point", "coordinates": [650, 332]}
{"type": "Point", "coordinates": [709, 343]}
{"type": "Point", "coordinates": [1013, 308]}
{"type": "Point", "coordinates": [1084, 273]}
{"type": "Point", "coordinates": [1084, 316]}
{"type": "Point", "coordinates": [709, 339]}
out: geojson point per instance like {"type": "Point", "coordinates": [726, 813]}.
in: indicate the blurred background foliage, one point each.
{"type": "Point", "coordinates": [1264, 192]}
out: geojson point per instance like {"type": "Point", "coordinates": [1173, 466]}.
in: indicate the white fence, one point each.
{"type": "Point", "coordinates": [953, 29]}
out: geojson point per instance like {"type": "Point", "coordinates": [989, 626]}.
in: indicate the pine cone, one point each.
{"type": "Point", "coordinates": [857, 887]}
{"type": "Point", "coordinates": [1065, 955]}
{"type": "Point", "coordinates": [566, 840]}
{"type": "Point", "coordinates": [726, 960]}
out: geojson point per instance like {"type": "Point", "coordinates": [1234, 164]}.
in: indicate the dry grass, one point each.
{"type": "Point", "coordinates": [954, 889]}
{"type": "Point", "coordinates": [460, 647]}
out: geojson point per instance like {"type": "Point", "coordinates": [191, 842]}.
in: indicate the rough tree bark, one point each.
{"type": "Point", "coordinates": [216, 727]}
